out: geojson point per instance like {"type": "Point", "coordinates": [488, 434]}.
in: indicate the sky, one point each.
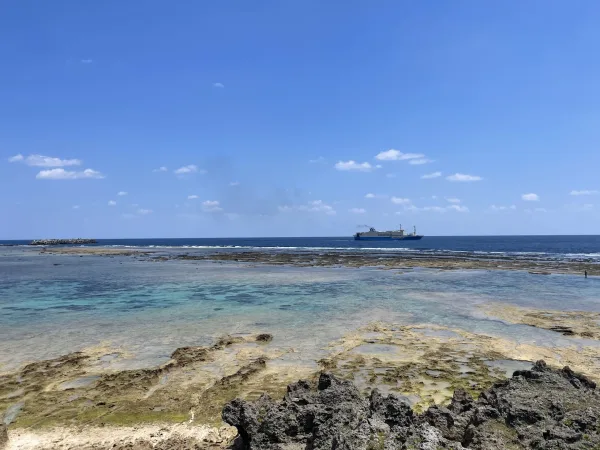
{"type": "Point", "coordinates": [279, 118]}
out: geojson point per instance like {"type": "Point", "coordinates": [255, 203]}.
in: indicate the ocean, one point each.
{"type": "Point", "coordinates": [52, 304]}
{"type": "Point", "coordinates": [127, 311]}
{"type": "Point", "coordinates": [584, 248]}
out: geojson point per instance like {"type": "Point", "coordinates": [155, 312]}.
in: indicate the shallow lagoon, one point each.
{"type": "Point", "coordinates": [51, 305]}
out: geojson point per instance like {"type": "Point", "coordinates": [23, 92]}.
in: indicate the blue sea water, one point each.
{"type": "Point", "coordinates": [555, 247]}
{"type": "Point", "coordinates": [54, 304]}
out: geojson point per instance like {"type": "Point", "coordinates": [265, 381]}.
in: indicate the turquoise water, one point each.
{"type": "Point", "coordinates": [53, 304]}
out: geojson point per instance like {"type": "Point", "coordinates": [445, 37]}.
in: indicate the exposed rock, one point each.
{"type": "Point", "coordinates": [578, 324]}
{"type": "Point", "coordinates": [265, 337]}
{"type": "Point", "coordinates": [77, 241]}
{"type": "Point", "coordinates": [541, 408]}
{"type": "Point", "coordinates": [3, 436]}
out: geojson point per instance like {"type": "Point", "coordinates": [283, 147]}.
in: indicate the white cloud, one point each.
{"type": "Point", "coordinates": [75, 206]}
{"type": "Point", "coordinates": [86, 61]}
{"type": "Point", "coordinates": [16, 158]}
{"type": "Point", "coordinates": [218, 85]}
{"type": "Point", "coordinates": [62, 174]}
{"type": "Point", "coordinates": [458, 208]}
{"type": "Point", "coordinates": [437, 209]}
{"type": "Point", "coordinates": [192, 197]}
{"type": "Point", "coordinates": [431, 175]}
{"type": "Point", "coordinates": [112, 203]}
{"type": "Point", "coordinates": [530, 197]}
{"type": "Point", "coordinates": [211, 206]}
{"type": "Point", "coordinates": [191, 168]}
{"type": "Point", "coordinates": [453, 200]}
{"type": "Point", "coordinates": [353, 165]}
{"type": "Point", "coordinates": [320, 206]}
{"type": "Point", "coordinates": [370, 195]}
{"type": "Point", "coordinates": [160, 169]}
{"type": "Point", "coordinates": [234, 183]}
{"type": "Point", "coordinates": [144, 212]}
{"type": "Point", "coordinates": [318, 160]}
{"type": "Point", "coordinates": [122, 193]}
{"type": "Point", "coordinates": [400, 201]}
{"type": "Point", "coordinates": [434, 197]}
{"type": "Point", "coordinates": [420, 161]}
{"type": "Point", "coordinates": [584, 192]}
{"type": "Point", "coordinates": [313, 206]}
{"type": "Point", "coordinates": [502, 208]}
{"type": "Point", "coordinates": [378, 166]}
{"type": "Point", "coordinates": [536, 210]}
{"type": "Point", "coordinates": [44, 161]}
{"type": "Point", "coordinates": [357, 210]}
{"type": "Point", "coordinates": [463, 177]}
{"type": "Point", "coordinates": [396, 155]}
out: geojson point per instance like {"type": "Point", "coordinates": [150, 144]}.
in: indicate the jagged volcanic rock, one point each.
{"type": "Point", "coordinates": [540, 408]}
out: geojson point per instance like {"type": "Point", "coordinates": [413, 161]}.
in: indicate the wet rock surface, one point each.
{"type": "Point", "coordinates": [542, 408]}
{"type": "Point", "coordinates": [404, 261]}
{"type": "Point", "coordinates": [578, 324]}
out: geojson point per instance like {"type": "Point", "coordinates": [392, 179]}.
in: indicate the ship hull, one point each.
{"type": "Point", "coordinates": [387, 238]}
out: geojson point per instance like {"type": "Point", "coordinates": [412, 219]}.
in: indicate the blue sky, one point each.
{"type": "Point", "coordinates": [277, 118]}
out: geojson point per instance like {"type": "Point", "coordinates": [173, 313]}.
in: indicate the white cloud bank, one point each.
{"type": "Point", "coordinates": [400, 200]}
{"type": "Point", "coordinates": [463, 177]}
{"type": "Point", "coordinates": [531, 197]}
{"type": "Point", "coordinates": [357, 210]}
{"type": "Point", "coordinates": [112, 203]}
{"type": "Point", "coordinates": [453, 200]}
{"type": "Point", "coordinates": [192, 197]}
{"type": "Point", "coordinates": [191, 168]}
{"type": "Point", "coordinates": [161, 169]}
{"type": "Point", "coordinates": [44, 161]}
{"type": "Point", "coordinates": [16, 158]}
{"type": "Point", "coordinates": [437, 209]}
{"type": "Point", "coordinates": [585, 192]}
{"type": "Point", "coordinates": [502, 208]}
{"type": "Point", "coordinates": [396, 155]}
{"type": "Point", "coordinates": [218, 85]}
{"type": "Point", "coordinates": [313, 206]}
{"type": "Point", "coordinates": [353, 166]}
{"type": "Point", "coordinates": [211, 206]}
{"type": "Point", "coordinates": [431, 175]}
{"type": "Point", "coordinates": [121, 193]}
{"type": "Point", "coordinates": [62, 174]}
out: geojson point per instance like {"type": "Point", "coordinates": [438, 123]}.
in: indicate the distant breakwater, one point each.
{"type": "Point", "coordinates": [77, 241]}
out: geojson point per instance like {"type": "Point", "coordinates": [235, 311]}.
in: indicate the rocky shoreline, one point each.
{"type": "Point", "coordinates": [541, 408]}
{"type": "Point", "coordinates": [354, 260]}
{"type": "Point", "coordinates": [403, 261]}
{"type": "Point", "coordinates": [76, 241]}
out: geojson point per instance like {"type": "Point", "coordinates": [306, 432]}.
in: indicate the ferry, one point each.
{"type": "Point", "coordinates": [374, 235]}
